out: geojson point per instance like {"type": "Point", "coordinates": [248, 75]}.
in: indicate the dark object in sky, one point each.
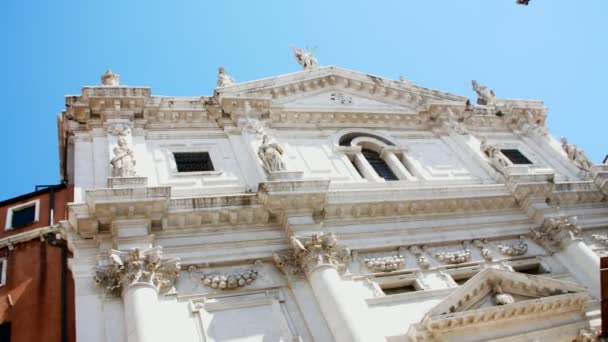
{"type": "Point", "coordinates": [523, 2]}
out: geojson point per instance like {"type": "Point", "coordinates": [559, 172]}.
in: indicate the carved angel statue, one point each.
{"type": "Point", "coordinates": [223, 79]}
{"type": "Point", "coordinates": [485, 96]}
{"type": "Point", "coordinates": [576, 155]}
{"type": "Point", "coordinates": [271, 155]}
{"type": "Point", "coordinates": [497, 159]}
{"type": "Point", "coordinates": [305, 58]}
{"type": "Point", "coordinates": [123, 162]}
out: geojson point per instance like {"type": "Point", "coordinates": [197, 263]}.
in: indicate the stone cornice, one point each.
{"type": "Point", "coordinates": [38, 233]}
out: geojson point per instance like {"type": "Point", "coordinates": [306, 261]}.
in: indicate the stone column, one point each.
{"type": "Point", "coordinates": [323, 260]}
{"type": "Point", "coordinates": [391, 159]}
{"type": "Point", "coordinates": [139, 277]}
{"type": "Point", "coordinates": [366, 170]}
{"type": "Point", "coordinates": [561, 236]}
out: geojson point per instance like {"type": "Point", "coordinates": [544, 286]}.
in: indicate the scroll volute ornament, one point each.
{"type": "Point", "coordinates": [307, 253]}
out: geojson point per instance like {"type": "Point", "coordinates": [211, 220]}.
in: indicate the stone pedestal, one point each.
{"type": "Point", "coordinates": [284, 175]}
{"type": "Point", "coordinates": [127, 182]}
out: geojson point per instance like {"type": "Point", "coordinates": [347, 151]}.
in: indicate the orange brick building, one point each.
{"type": "Point", "coordinates": [36, 286]}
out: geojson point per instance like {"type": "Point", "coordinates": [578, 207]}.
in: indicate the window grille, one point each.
{"type": "Point", "coordinates": [379, 165]}
{"type": "Point", "coordinates": [516, 157]}
{"type": "Point", "coordinates": [193, 161]}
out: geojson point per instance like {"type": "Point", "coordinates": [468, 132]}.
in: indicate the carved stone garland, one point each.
{"type": "Point", "coordinates": [485, 253]}
{"type": "Point", "coordinates": [136, 266]}
{"type": "Point", "coordinates": [423, 261]}
{"type": "Point", "coordinates": [455, 257]}
{"type": "Point", "coordinates": [226, 281]}
{"type": "Point", "coordinates": [517, 249]}
{"type": "Point", "coordinates": [385, 264]}
{"type": "Point", "coordinates": [557, 231]}
{"type": "Point", "coordinates": [310, 252]}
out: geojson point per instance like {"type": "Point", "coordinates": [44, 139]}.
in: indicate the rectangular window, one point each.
{"type": "Point", "coordinates": [516, 157]}
{"type": "Point", "coordinates": [403, 288]}
{"type": "Point", "coordinates": [193, 161]}
{"type": "Point", "coordinates": [22, 215]}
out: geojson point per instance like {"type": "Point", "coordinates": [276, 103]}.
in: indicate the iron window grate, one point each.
{"type": "Point", "coordinates": [516, 157]}
{"type": "Point", "coordinates": [193, 161]}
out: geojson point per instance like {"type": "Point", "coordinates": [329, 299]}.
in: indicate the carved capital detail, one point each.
{"type": "Point", "coordinates": [307, 253]}
{"type": "Point", "coordinates": [556, 233]}
{"type": "Point", "coordinates": [127, 268]}
{"type": "Point", "coordinates": [587, 335]}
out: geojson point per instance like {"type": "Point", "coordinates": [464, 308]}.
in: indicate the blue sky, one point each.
{"type": "Point", "coordinates": [551, 50]}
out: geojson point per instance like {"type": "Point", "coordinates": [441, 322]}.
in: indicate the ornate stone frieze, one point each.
{"type": "Point", "coordinates": [223, 281]}
{"type": "Point", "coordinates": [385, 264]}
{"type": "Point", "coordinates": [485, 253]}
{"type": "Point", "coordinates": [123, 162]}
{"type": "Point", "coordinates": [119, 129]}
{"type": "Point", "coordinates": [305, 58]}
{"type": "Point", "coordinates": [576, 155]}
{"type": "Point", "coordinates": [556, 233]}
{"type": "Point", "coordinates": [485, 96]}
{"type": "Point", "coordinates": [309, 252]}
{"type": "Point", "coordinates": [341, 98]}
{"type": "Point", "coordinates": [515, 249]}
{"type": "Point", "coordinates": [455, 257]}
{"type": "Point", "coordinates": [602, 239]}
{"type": "Point", "coordinates": [223, 79]}
{"type": "Point", "coordinates": [124, 269]}
{"type": "Point", "coordinates": [495, 157]}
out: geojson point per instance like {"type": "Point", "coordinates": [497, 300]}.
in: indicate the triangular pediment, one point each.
{"type": "Point", "coordinates": [481, 290]}
{"type": "Point", "coordinates": [309, 87]}
{"type": "Point", "coordinates": [494, 297]}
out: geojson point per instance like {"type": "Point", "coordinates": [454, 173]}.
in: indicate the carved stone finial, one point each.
{"type": "Point", "coordinates": [556, 233]}
{"type": "Point", "coordinates": [271, 155]}
{"type": "Point", "coordinates": [136, 266]}
{"type": "Point", "coordinates": [305, 58]}
{"type": "Point", "coordinates": [223, 79]}
{"type": "Point", "coordinates": [485, 96]}
{"type": "Point", "coordinates": [123, 162]}
{"type": "Point", "coordinates": [309, 252]}
{"type": "Point", "coordinates": [110, 79]}
{"type": "Point", "coordinates": [576, 155]}
{"type": "Point", "coordinates": [494, 155]}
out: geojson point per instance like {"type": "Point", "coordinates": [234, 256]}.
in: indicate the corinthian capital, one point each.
{"type": "Point", "coordinates": [307, 253]}
{"type": "Point", "coordinates": [557, 232]}
{"type": "Point", "coordinates": [126, 268]}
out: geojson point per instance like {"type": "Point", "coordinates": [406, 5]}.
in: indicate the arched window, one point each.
{"type": "Point", "coordinates": [379, 165]}
{"type": "Point", "coordinates": [375, 158]}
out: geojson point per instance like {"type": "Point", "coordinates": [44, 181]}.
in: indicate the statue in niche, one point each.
{"type": "Point", "coordinates": [271, 155]}
{"type": "Point", "coordinates": [123, 162]}
{"type": "Point", "coordinates": [223, 79]}
{"type": "Point", "coordinates": [576, 155]}
{"type": "Point", "coordinates": [485, 96]}
{"type": "Point", "coordinates": [305, 58]}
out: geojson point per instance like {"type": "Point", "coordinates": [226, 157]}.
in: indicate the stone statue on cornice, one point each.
{"type": "Point", "coordinates": [271, 155]}
{"type": "Point", "coordinates": [123, 162]}
{"type": "Point", "coordinates": [485, 96]}
{"type": "Point", "coordinates": [305, 58]}
{"type": "Point", "coordinates": [576, 155]}
{"type": "Point", "coordinates": [223, 79]}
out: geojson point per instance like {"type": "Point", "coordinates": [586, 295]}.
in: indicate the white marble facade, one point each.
{"type": "Point", "coordinates": [293, 235]}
